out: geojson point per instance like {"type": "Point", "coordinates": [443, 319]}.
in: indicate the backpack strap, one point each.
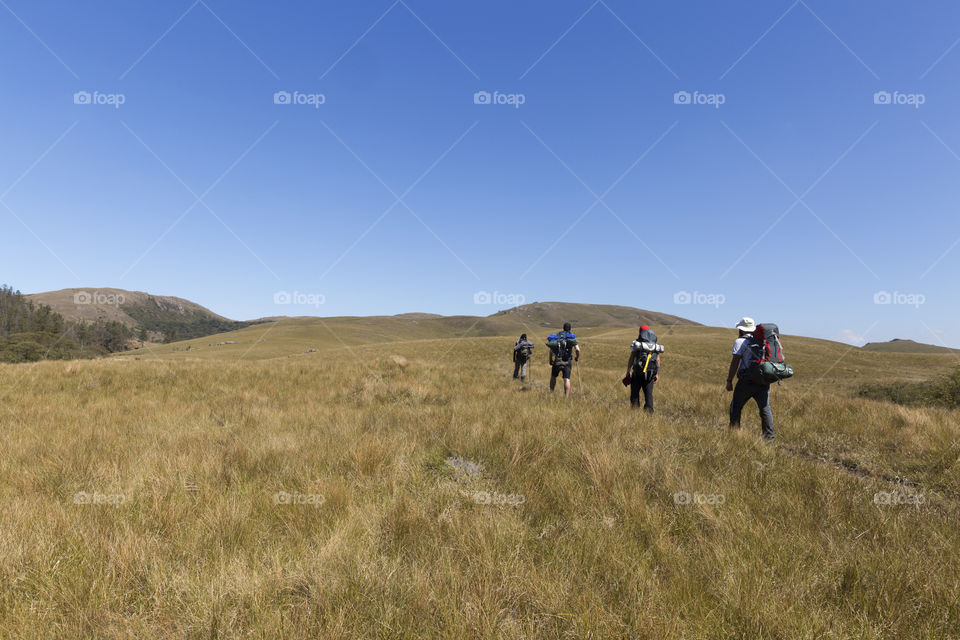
{"type": "Point", "coordinates": [647, 363]}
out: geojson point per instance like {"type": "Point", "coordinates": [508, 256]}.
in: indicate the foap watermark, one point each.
{"type": "Point", "coordinates": [485, 297]}
{"type": "Point", "coordinates": [685, 497]}
{"type": "Point", "coordinates": [511, 499]}
{"type": "Point", "coordinates": [901, 99]}
{"type": "Point", "coordinates": [299, 299]}
{"type": "Point", "coordinates": [711, 99]}
{"type": "Point", "coordinates": [906, 299]}
{"type": "Point", "coordinates": [895, 498]}
{"type": "Point", "coordinates": [110, 99]}
{"type": "Point", "coordinates": [512, 99]}
{"type": "Point", "coordinates": [86, 297]}
{"type": "Point", "coordinates": [299, 98]}
{"type": "Point", "coordinates": [297, 498]}
{"type": "Point", "coordinates": [97, 498]}
{"type": "Point", "coordinates": [715, 300]}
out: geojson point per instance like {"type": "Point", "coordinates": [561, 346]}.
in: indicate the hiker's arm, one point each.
{"type": "Point", "coordinates": [633, 357]}
{"type": "Point", "coordinates": [657, 377]}
{"type": "Point", "coordinates": [577, 350]}
{"type": "Point", "coordinates": [734, 366]}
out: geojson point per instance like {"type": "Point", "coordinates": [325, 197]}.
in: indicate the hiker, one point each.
{"type": "Point", "coordinates": [564, 351]}
{"type": "Point", "coordinates": [745, 389]}
{"type": "Point", "coordinates": [521, 357]}
{"type": "Point", "coordinates": [643, 368]}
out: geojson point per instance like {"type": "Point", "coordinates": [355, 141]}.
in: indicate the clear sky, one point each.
{"type": "Point", "coordinates": [702, 158]}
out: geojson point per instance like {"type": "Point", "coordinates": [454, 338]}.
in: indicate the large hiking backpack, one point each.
{"type": "Point", "coordinates": [767, 364]}
{"type": "Point", "coordinates": [523, 349]}
{"type": "Point", "coordinates": [646, 350]}
{"type": "Point", "coordinates": [562, 345]}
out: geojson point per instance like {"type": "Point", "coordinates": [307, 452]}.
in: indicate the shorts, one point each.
{"type": "Point", "coordinates": [562, 368]}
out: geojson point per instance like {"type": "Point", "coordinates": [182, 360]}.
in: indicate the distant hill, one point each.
{"type": "Point", "coordinates": [554, 314]}
{"type": "Point", "coordinates": [30, 332]}
{"type": "Point", "coordinates": [172, 319]}
{"type": "Point", "coordinates": [286, 336]}
{"type": "Point", "coordinates": [534, 318]}
{"type": "Point", "coordinates": [162, 317]}
{"type": "Point", "coordinates": [906, 346]}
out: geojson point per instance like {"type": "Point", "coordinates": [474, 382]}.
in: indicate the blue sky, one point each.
{"type": "Point", "coordinates": [708, 159]}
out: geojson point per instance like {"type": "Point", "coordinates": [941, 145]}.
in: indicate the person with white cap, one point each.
{"type": "Point", "coordinates": [745, 390]}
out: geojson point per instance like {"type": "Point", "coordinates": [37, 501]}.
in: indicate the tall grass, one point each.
{"type": "Point", "coordinates": [943, 391]}
{"type": "Point", "coordinates": [578, 523]}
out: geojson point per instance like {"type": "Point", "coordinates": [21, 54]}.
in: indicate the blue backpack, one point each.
{"type": "Point", "coordinates": [562, 345]}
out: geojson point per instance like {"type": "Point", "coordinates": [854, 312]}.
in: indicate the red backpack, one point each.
{"type": "Point", "coordinates": [767, 364]}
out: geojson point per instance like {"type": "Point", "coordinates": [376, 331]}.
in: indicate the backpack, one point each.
{"type": "Point", "coordinates": [562, 345]}
{"type": "Point", "coordinates": [523, 349]}
{"type": "Point", "coordinates": [767, 364]}
{"type": "Point", "coordinates": [647, 351]}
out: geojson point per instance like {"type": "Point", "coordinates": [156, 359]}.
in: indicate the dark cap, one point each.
{"type": "Point", "coordinates": [566, 326]}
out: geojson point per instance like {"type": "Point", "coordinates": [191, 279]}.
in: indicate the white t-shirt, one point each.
{"type": "Point", "coordinates": [742, 349]}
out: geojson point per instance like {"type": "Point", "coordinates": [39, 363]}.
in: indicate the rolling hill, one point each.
{"type": "Point", "coordinates": [158, 315]}
{"type": "Point", "coordinates": [554, 314]}
{"type": "Point", "coordinates": [175, 320]}
{"type": "Point", "coordinates": [906, 346]}
{"type": "Point", "coordinates": [287, 336]}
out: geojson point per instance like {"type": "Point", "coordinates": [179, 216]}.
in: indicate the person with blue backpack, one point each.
{"type": "Point", "coordinates": [757, 362]}
{"type": "Point", "coordinates": [564, 351]}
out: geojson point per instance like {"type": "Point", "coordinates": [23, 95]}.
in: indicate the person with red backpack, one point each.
{"type": "Point", "coordinates": [643, 368]}
{"type": "Point", "coordinates": [748, 352]}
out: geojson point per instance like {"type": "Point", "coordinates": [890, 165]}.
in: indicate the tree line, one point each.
{"type": "Point", "coordinates": [31, 332]}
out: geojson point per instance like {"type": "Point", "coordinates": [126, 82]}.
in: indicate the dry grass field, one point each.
{"type": "Point", "coordinates": [412, 489]}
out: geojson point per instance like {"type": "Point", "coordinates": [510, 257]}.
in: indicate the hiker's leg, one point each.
{"type": "Point", "coordinates": [635, 389]}
{"type": "Point", "coordinates": [766, 413]}
{"type": "Point", "coordinates": [566, 380]}
{"type": "Point", "coordinates": [553, 376]}
{"type": "Point", "coordinates": [741, 393]}
{"type": "Point", "coordinates": [648, 397]}
{"type": "Point", "coordinates": [523, 371]}
{"type": "Point", "coordinates": [516, 369]}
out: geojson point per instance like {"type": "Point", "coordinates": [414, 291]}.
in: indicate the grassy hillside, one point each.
{"type": "Point", "coordinates": [30, 332]}
{"type": "Point", "coordinates": [907, 346]}
{"type": "Point", "coordinates": [170, 319]}
{"type": "Point", "coordinates": [943, 391]}
{"type": "Point", "coordinates": [162, 317]}
{"type": "Point", "coordinates": [260, 491]}
{"type": "Point", "coordinates": [291, 336]}
{"type": "Point", "coordinates": [554, 314]}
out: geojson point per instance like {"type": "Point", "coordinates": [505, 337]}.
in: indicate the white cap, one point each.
{"type": "Point", "coordinates": [746, 324]}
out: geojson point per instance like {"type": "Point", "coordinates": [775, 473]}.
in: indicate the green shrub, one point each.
{"type": "Point", "coordinates": [942, 392]}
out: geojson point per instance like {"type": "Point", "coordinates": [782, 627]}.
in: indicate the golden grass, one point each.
{"type": "Point", "coordinates": [582, 536]}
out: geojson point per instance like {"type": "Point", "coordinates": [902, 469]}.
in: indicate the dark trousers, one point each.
{"type": "Point", "coordinates": [638, 383]}
{"type": "Point", "coordinates": [742, 393]}
{"type": "Point", "coordinates": [520, 368]}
